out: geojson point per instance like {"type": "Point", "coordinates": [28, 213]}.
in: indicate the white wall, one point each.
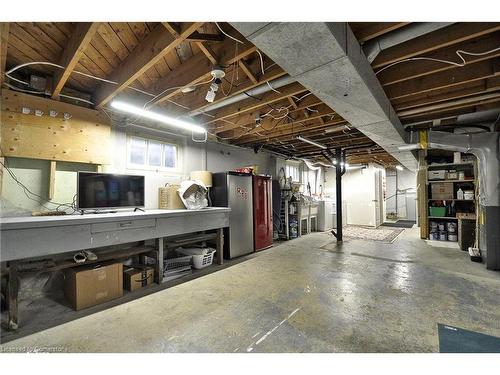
{"type": "Point", "coordinates": [193, 156]}
{"type": "Point", "coordinates": [407, 182]}
{"type": "Point", "coordinates": [358, 194]}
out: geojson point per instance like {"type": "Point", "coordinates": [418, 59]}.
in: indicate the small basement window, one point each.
{"type": "Point", "coordinates": [292, 170]}
{"type": "Point", "coordinates": [145, 153]}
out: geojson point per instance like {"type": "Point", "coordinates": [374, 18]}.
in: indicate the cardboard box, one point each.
{"type": "Point", "coordinates": [137, 277]}
{"type": "Point", "coordinates": [436, 175]}
{"type": "Point", "coordinates": [442, 190]}
{"type": "Point", "coordinates": [91, 285]}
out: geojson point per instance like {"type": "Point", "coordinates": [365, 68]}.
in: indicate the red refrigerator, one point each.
{"type": "Point", "coordinates": [262, 212]}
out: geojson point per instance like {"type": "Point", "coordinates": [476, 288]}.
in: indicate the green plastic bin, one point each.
{"type": "Point", "coordinates": [437, 211]}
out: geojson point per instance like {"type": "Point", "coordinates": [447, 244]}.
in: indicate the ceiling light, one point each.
{"type": "Point", "coordinates": [399, 168]}
{"type": "Point", "coordinates": [157, 117]}
{"type": "Point", "coordinates": [310, 141]}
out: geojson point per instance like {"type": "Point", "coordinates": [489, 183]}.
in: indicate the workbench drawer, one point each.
{"type": "Point", "coordinates": [122, 225]}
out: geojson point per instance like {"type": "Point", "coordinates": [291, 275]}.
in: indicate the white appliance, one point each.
{"type": "Point", "coordinates": [327, 215]}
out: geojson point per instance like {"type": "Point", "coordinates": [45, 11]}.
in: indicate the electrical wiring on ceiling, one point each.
{"type": "Point", "coordinates": [17, 67]}
{"type": "Point", "coordinates": [459, 53]}
{"type": "Point", "coordinates": [155, 97]}
{"type": "Point", "coordinates": [226, 34]}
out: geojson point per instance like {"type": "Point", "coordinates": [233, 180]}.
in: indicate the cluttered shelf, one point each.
{"type": "Point", "coordinates": [454, 181]}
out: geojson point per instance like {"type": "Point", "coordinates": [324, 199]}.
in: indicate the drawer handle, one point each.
{"type": "Point", "coordinates": [127, 224]}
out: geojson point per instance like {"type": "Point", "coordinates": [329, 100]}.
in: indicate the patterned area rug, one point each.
{"type": "Point", "coordinates": [373, 234]}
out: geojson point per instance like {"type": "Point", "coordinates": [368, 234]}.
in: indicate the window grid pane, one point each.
{"type": "Point", "coordinates": [170, 156]}
{"type": "Point", "coordinates": [154, 154]}
{"type": "Point", "coordinates": [137, 151]}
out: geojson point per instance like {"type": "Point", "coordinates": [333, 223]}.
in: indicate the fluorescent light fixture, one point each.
{"type": "Point", "coordinates": [122, 106]}
{"type": "Point", "coordinates": [310, 141]}
{"type": "Point", "coordinates": [412, 146]}
{"type": "Point", "coordinates": [399, 168]}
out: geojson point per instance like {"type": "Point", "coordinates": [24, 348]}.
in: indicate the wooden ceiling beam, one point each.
{"type": "Point", "coordinates": [324, 110]}
{"type": "Point", "coordinates": [196, 100]}
{"type": "Point", "coordinates": [154, 47]}
{"type": "Point", "coordinates": [366, 31]}
{"type": "Point", "coordinates": [448, 36]}
{"type": "Point", "coordinates": [415, 69]}
{"type": "Point", "coordinates": [246, 119]}
{"type": "Point", "coordinates": [247, 71]}
{"type": "Point", "coordinates": [197, 70]}
{"type": "Point", "coordinates": [207, 51]}
{"type": "Point", "coordinates": [4, 39]}
{"type": "Point", "coordinates": [440, 95]}
{"type": "Point", "coordinates": [452, 104]}
{"type": "Point", "coordinates": [449, 78]}
{"type": "Point", "coordinates": [202, 37]}
{"type": "Point", "coordinates": [77, 43]}
{"type": "Point", "coordinates": [335, 125]}
{"type": "Point", "coordinates": [251, 104]}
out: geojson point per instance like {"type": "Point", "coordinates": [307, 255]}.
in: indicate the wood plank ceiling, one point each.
{"type": "Point", "coordinates": [152, 61]}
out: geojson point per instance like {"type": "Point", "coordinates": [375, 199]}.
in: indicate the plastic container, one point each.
{"type": "Point", "coordinates": [441, 227]}
{"type": "Point", "coordinates": [202, 256]}
{"type": "Point", "coordinates": [173, 263]}
{"type": "Point", "coordinates": [443, 236]}
{"type": "Point", "coordinates": [451, 227]}
{"type": "Point", "coordinates": [434, 236]}
{"type": "Point", "coordinates": [452, 237]}
{"type": "Point", "coordinates": [469, 194]}
{"type": "Point", "coordinates": [437, 211]}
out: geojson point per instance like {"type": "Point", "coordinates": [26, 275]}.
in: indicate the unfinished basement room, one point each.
{"type": "Point", "coordinates": [241, 187]}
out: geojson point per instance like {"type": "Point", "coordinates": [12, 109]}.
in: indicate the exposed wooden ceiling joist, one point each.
{"type": "Point", "coordinates": [157, 44]}
{"type": "Point", "coordinates": [366, 31]}
{"type": "Point", "coordinates": [477, 71]}
{"type": "Point", "coordinates": [248, 117]}
{"type": "Point", "coordinates": [251, 104]}
{"type": "Point", "coordinates": [418, 68]}
{"type": "Point", "coordinates": [448, 36]}
{"type": "Point", "coordinates": [227, 53]}
{"type": "Point", "coordinates": [77, 43]}
{"type": "Point", "coordinates": [4, 41]}
{"type": "Point", "coordinates": [463, 90]}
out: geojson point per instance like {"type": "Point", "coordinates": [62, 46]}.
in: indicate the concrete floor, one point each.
{"type": "Point", "coordinates": [305, 295]}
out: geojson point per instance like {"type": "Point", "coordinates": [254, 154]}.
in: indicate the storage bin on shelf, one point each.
{"type": "Point", "coordinates": [437, 211]}
{"type": "Point", "coordinates": [175, 263]}
{"type": "Point", "coordinates": [202, 256]}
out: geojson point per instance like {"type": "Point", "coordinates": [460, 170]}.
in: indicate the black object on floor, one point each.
{"type": "Point", "coordinates": [457, 340]}
{"type": "Point", "coordinates": [400, 224]}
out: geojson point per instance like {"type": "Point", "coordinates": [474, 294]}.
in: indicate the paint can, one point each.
{"type": "Point", "coordinates": [434, 236]}
{"type": "Point", "coordinates": [452, 237]}
{"type": "Point", "coordinates": [443, 236]}
{"type": "Point", "coordinates": [451, 227]}
{"type": "Point", "coordinates": [441, 227]}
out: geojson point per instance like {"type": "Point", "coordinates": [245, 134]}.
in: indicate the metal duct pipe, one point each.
{"type": "Point", "coordinates": [404, 34]}
{"type": "Point", "coordinates": [262, 89]}
{"type": "Point", "coordinates": [486, 147]}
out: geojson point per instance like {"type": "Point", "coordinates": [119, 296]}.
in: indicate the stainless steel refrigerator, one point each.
{"type": "Point", "coordinates": [234, 190]}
